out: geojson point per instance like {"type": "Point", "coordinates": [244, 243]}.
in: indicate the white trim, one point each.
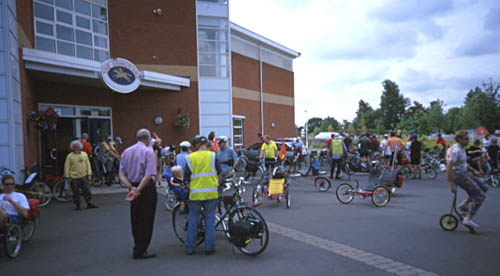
{"type": "Point", "coordinates": [39, 60]}
{"type": "Point", "coordinates": [236, 28]}
{"type": "Point", "coordinates": [239, 116]}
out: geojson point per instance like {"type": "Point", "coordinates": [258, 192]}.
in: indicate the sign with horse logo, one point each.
{"type": "Point", "coordinates": [120, 75]}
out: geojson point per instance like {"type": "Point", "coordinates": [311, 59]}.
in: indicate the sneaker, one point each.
{"type": "Point", "coordinates": [470, 222]}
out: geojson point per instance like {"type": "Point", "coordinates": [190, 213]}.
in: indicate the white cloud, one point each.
{"type": "Point", "coordinates": [431, 49]}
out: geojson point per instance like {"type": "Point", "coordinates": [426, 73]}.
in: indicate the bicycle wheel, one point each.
{"type": "Point", "coordinates": [448, 222]}
{"type": "Point", "coordinates": [381, 196]}
{"type": "Point", "coordinates": [494, 181]}
{"type": "Point", "coordinates": [431, 173]}
{"type": "Point", "coordinates": [97, 181]}
{"type": "Point", "coordinates": [42, 192]}
{"type": "Point", "coordinates": [12, 240]}
{"type": "Point", "coordinates": [255, 195]}
{"type": "Point", "coordinates": [322, 184]}
{"type": "Point", "coordinates": [260, 234]}
{"type": "Point", "coordinates": [170, 201]}
{"type": "Point", "coordinates": [180, 223]}
{"type": "Point", "coordinates": [62, 192]}
{"type": "Point", "coordinates": [287, 198]}
{"type": "Point", "coordinates": [28, 227]}
{"type": "Point", "coordinates": [345, 193]}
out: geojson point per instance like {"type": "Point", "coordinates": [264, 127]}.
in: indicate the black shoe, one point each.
{"type": "Point", "coordinates": [190, 253]}
{"type": "Point", "coordinates": [91, 205]}
{"type": "Point", "coordinates": [209, 252]}
{"type": "Point", "coordinates": [144, 255]}
{"type": "Point", "coordinates": [77, 207]}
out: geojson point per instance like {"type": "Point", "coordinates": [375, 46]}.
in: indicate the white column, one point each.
{"type": "Point", "coordinates": [11, 124]}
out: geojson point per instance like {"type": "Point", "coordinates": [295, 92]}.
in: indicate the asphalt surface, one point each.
{"type": "Point", "coordinates": [316, 236]}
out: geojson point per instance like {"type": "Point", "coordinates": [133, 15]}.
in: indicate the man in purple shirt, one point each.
{"type": "Point", "coordinates": [137, 171]}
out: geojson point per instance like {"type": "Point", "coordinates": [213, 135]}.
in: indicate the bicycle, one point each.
{"type": "Point", "coordinates": [255, 242]}
{"type": "Point", "coordinates": [450, 221]}
{"type": "Point", "coordinates": [31, 187]}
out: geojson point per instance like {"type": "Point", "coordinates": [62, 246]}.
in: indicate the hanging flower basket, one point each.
{"type": "Point", "coordinates": [43, 119]}
{"type": "Point", "coordinates": [182, 121]}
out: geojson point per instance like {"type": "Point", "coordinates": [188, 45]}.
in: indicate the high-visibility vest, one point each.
{"type": "Point", "coordinates": [337, 147]}
{"type": "Point", "coordinates": [203, 184]}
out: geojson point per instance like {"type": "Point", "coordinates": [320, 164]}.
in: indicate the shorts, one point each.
{"type": "Point", "coordinates": [15, 219]}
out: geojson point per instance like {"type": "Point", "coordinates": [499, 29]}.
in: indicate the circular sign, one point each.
{"type": "Point", "coordinates": [158, 120]}
{"type": "Point", "coordinates": [481, 131]}
{"type": "Point", "coordinates": [120, 75]}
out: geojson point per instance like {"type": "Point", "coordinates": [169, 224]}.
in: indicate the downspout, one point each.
{"type": "Point", "coordinates": [261, 92]}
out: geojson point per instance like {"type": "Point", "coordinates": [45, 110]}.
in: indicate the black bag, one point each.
{"type": "Point", "coordinates": [241, 233]}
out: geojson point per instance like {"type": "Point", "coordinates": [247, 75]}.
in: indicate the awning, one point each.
{"type": "Point", "coordinates": [79, 68]}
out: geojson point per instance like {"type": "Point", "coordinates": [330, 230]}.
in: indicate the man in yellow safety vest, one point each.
{"type": "Point", "coordinates": [337, 152]}
{"type": "Point", "coordinates": [201, 172]}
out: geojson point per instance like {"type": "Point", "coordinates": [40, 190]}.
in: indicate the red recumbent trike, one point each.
{"type": "Point", "coordinates": [276, 188]}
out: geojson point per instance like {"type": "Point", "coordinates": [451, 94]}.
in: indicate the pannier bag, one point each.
{"type": "Point", "coordinates": [399, 180]}
{"type": "Point", "coordinates": [241, 233]}
{"type": "Point", "coordinates": [34, 210]}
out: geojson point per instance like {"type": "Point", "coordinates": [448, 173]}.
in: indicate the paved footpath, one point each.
{"type": "Point", "coordinates": [316, 236]}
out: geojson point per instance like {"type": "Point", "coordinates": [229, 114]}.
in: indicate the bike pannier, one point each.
{"type": "Point", "coordinates": [241, 233]}
{"type": "Point", "coordinates": [34, 210]}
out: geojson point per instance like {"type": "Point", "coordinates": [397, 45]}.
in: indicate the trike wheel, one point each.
{"type": "Point", "coordinates": [28, 227]}
{"type": "Point", "coordinates": [170, 201]}
{"type": "Point", "coordinates": [448, 222]}
{"type": "Point", "coordinates": [380, 196]}
{"type": "Point", "coordinates": [180, 222]}
{"type": "Point", "coordinates": [62, 192]}
{"type": "Point", "coordinates": [287, 198]}
{"type": "Point", "coordinates": [431, 173]}
{"type": "Point", "coordinates": [322, 184]}
{"type": "Point", "coordinates": [12, 240]}
{"type": "Point", "coordinates": [42, 192]}
{"type": "Point", "coordinates": [345, 193]}
{"type": "Point", "coordinates": [259, 239]}
{"type": "Point", "coordinates": [255, 195]}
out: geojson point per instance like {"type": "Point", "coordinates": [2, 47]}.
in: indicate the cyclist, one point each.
{"type": "Point", "coordinates": [364, 148]}
{"type": "Point", "coordinates": [458, 172]}
{"type": "Point", "coordinates": [269, 151]}
{"type": "Point", "coordinates": [337, 153]}
{"type": "Point", "coordinates": [297, 146]}
{"type": "Point", "coordinates": [475, 156]}
{"type": "Point", "coordinates": [444, 145]}
{"type": "Point", "coordinates": [226, 158]}
{"type": "Point", "coordinates": [492, 153]}
{"type": "Point", "coordinates": [12, 204]}
{"type": "Point", "coordinates": [391, 143]}
{"type": "Point", "coordinates": [181, 157]}
{"type": "Point", "coordinates": [108, 159]}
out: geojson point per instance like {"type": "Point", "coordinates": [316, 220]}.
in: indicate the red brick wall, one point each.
{"type": "Point", "coordinates": [138, 34]}
{"type": "Point", "coordinates": [245, 72]}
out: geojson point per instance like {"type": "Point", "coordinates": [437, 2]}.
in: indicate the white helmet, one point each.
{"type": "Point", "coordinates": [222, 139]}
{"type": "Point", "coordinates": [185, 144]}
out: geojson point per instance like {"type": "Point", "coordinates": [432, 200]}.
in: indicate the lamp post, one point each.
{"type": "Point", "coordinates": [307, 138]}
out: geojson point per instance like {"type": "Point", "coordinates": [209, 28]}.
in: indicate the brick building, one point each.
{"type": "Point", "coordinates": [185, 57]}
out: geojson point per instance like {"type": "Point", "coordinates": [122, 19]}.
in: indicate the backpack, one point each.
{"type": "Point", "coordinates": [241, 233]}
{"type": "Point", "coordinates": [34, 210]}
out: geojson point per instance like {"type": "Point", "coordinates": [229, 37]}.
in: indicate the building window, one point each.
{"type": "Point", "coordinates": [77, 28]}
{"type": "Point", "coordinates": [238, 131]}
{"type": "Point", "coordinates": [224, 2]}
{"type": "Point", "coordinates": [213, 47]}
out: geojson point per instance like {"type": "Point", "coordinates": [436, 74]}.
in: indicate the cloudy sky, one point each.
{"type": "Point", "coordinates": [430, 48]}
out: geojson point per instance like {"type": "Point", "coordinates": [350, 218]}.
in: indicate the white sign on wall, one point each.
{"type": "Point", "coordinates": [120, 75]}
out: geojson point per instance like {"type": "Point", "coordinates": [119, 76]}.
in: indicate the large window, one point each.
{"type": "Point", "coordinates": [238, 131]}
{"type": "Point", "coordinates": [213, 46]}
{"type": "Point", "coordinates": [76, 28]}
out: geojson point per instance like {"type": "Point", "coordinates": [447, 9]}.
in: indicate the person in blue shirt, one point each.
{"type": "Point", "coordinates": [297, 146]}
{"type": "Point", "coordinates": [185, 147]}
{"type": "Point", "coordinates": [226, 158]}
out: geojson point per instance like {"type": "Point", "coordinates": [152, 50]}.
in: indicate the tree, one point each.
{"type": "Point", "coordinates": [436, 115]}
{"type": "Point", "coordinates": [452, 120]}
{"type": "Point", "coordinates": [365, 116]}
{"type": "Point", "coordinates": [392, 104]}
{"type": "Point", "coordinates": [316, 131]}
{"type": "Point", "coordinates": [481, 107]}
{"type": "Point", "coordinates": [313, 123]}
{"type": "Point", "coordinates": [329, 121]}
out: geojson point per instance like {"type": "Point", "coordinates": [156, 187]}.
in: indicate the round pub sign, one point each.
{"type": "Point", "coordinates": [120, 75]}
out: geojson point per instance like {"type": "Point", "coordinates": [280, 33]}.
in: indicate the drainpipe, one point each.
{"type": "Point", "coordinates": [261, 92]}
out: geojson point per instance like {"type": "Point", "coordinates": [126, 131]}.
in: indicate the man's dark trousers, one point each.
{"type": "Point", "coordinates": [82, 184]}
{"type": "Point", "coordinates": [338, 163]}
{"type": "Point", "coordinates": [142, 216]}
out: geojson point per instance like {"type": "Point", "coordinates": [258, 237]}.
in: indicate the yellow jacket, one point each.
{"type": "Point", "coordinates": [77, 165]}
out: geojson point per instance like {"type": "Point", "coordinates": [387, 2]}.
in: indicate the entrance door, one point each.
{"type": "Point", "coordinates": [97, 129]}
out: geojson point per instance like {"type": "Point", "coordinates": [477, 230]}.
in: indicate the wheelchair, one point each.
{"type": "Point", "coordinates": [13, 235]}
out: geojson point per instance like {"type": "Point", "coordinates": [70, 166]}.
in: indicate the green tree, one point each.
{"type": "Point", "coordinates": [436, 115]}
{"type": "Point", "coordinates": [313, 123]}
{"type": "Point", "coordinates": [392, 104]}
{"type": "Point", "coordinates": [316, 131]}
{"type": "Point", "coordinates": [329, 121]}
{"type": "Point", "coordinates": [365, 116]}
{"type": "Point", "coordinates": [330, 128]}
{"type": "Point", "coordinates": [453, 120]}
{"type": "Point", "coordinates": [481, 107]}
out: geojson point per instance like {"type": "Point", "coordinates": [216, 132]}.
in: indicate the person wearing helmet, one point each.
{"type": "Point", "coordinates": [226, 158]}
{"type": "Point", "coordinates": [185, 147]}
{"type": "Point", "coordinates": [108, 159]}
{"type": "Point", "coordinates": [297, 146]}
{"type": "Point", "coordinates": [201, 174]}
